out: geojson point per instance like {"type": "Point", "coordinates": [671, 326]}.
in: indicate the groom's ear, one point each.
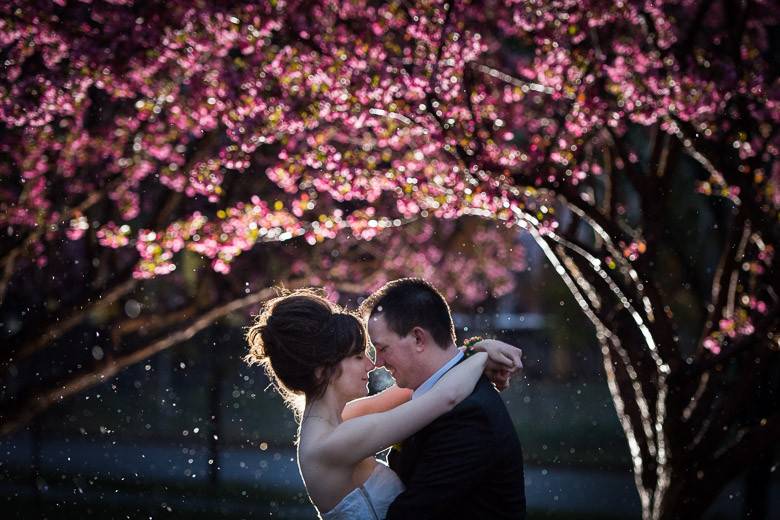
{"type": "Point", "coordinates": [420, 339]}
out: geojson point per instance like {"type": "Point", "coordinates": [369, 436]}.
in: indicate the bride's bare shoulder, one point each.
{"type": "Point", "coordinates": [310, 440]}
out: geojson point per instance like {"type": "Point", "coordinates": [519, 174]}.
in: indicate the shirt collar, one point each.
{"type": "Point", "coordinates": [428, 384]}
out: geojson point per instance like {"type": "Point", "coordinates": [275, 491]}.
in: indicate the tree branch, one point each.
{"type": "Point", "coordinates": [622, 380]}
{"type": "Point", "coordinates": [728, 267]}
{"type": "Point", "coordinates": [43, 338]}
{"type": "Point", "coordinates": [751, 443]}
{"type": "Point", "coordinates": [682, 49]}
{"type": "Point", "coordinates": [8, 261]}
{"type": "Point", "coordinates": [149, 324]}
{"type": "Point", "coordinates": [17, 415]}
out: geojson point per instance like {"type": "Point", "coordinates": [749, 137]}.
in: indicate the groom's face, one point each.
{"type": "Point", "coordinates": [393, 352]}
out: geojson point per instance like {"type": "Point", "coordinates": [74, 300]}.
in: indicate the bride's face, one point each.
{"type": "Point", "coordinates": [352, 380]}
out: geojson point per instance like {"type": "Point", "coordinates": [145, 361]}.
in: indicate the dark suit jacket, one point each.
{"type": "Point", "coordinates": [468, 463]}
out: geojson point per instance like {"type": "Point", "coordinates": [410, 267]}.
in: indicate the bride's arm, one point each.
{"type": "Point", "coordinates": [356, 439]}
{"type": "Point", "coordinates": [503, 361]}
{"type": "Point", "coordinates": [381, 402]}
{"type": "Point", "coordinates": [500, 354]}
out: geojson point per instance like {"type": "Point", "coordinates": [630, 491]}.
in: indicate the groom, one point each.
{"type": "Point", "coordinates": [467, 463]}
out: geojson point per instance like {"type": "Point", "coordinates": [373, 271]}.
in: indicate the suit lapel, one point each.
{"type": "Point", "coordinates": [403, 460]}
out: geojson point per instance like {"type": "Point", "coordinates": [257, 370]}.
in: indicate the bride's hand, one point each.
{"type": "Point", "coordinates": [504, 360]}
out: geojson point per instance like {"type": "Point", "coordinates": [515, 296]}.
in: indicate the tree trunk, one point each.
{"type": "Point", "coordinates": [685, 496]}
{"type": "Point", "coordinates": [689, 427]}
{"type": "Point", "coordinates": [757, 490]}
{"type": "Point", "coordinates": [215, 379]}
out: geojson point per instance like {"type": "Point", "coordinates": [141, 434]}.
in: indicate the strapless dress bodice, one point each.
{"type": "Point", "coordinates": [371, 500]}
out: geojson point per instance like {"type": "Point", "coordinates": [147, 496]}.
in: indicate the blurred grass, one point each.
{"type": "Point", "coordinates": [68, 496]}
{"type": "Point", "coordinates": [83, 496]}
{"type": "Point", "coordinates": [568, 424]}
{"type": "Point", "coordinates": [62, 512]}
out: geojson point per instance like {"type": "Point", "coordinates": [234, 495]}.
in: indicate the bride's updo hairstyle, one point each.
{"type": "Point", "coordinates": [298, 333]}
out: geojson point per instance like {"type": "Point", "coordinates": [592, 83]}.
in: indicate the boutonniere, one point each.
{"type": "Point", "coordinates": [468, 346]}
{"type": "Point", "coordinates": [397, 446]}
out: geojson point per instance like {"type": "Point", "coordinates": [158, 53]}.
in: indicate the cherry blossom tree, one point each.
{"type": "Point", "coordinates": [94, 238]}
{"type": "Point", "coordinates": [147, 136]}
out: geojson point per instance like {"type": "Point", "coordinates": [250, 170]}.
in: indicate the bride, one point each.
{"type": "Point", "coordinates": [315, 354]}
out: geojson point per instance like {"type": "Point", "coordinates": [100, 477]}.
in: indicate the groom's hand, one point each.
{"type": "Point", "coordinates": [499, 378]}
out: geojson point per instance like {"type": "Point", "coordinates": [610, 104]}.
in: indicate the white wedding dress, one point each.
{"type": "Point", "coordinates": [371, 500]}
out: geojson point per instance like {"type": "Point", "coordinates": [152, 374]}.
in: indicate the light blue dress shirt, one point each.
{"type": "Point", "coordinates": [428, 384]}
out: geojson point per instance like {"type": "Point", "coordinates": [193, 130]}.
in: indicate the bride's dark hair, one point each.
{"type": "Point", "coordinates": [297, 333]}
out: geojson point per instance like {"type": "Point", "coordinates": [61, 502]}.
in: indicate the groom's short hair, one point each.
{"type": "Point", "coordinates": [412, 302]}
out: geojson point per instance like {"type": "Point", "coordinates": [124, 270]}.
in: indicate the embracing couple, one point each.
{"type": "Point", "coordinates": [455, 453]}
